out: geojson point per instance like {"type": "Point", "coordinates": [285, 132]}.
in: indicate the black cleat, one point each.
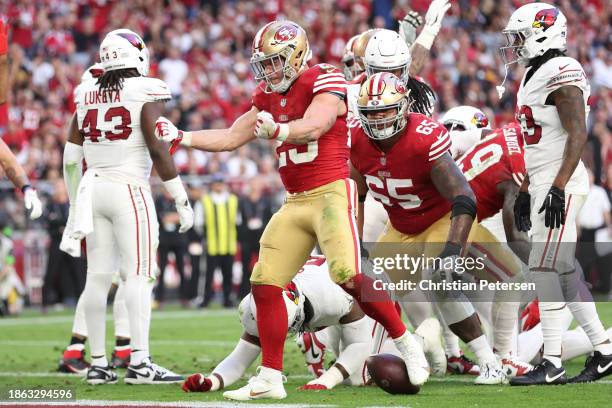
{"type": "Point", "coordinates": [101, 375]}
{"type": "Point", "coordinates": [544, 373]}
{"type": "Point", "coordinates": [596, 366]}
{"type": "Point", "coordinates": [73, 362]}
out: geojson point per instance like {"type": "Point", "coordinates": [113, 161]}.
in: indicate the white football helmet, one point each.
{"type": "Point", "coordinates": [93, 72]}
{"type": "Point", "coordinates": [387, 52]}
{"type": "Point", "coordinates": [123, 49]}
{"type": "Point", "coordinates": [465, 118]}
{"type": "Point", "coordinates": [294, 302]}
{"type": "Point", "coordinates": [532, 30]}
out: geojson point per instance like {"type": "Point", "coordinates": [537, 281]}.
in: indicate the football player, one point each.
{"type": "Point", "coordinates": [552, 109]}
{"type": "Point", "coordinates": [428, 200]}
{"type": "Point", "coordinates": [304, 109]}
{"type": "Point", "coordinates": [113, 130]}
{"type": "Point", "coordinates": [312, 301]}
{"type": "Point", "coordinates": [73, 357]}
{"type": "Point", "coordinates": [8, 161]}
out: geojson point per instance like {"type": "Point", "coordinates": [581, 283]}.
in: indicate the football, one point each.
{"type": "Point", "coordinates": [389, 373]}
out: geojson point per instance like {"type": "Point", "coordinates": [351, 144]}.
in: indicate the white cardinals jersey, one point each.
{"type": "Point", "coordinates": [110, 122]}
{"type": "Point", "coordinates": [543, 133]}
{"type": "Point", "coordinates": [328, 302]}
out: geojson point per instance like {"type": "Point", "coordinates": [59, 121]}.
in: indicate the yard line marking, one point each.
{"type": "Point", "coordinates": [156, 315]}
{"type": "Point", "coordinates": [54, 343]}
{"type": "Point", "coordinates": [197, 404]}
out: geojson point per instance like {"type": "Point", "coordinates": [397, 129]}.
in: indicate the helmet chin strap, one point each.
{"type": "Point", "coordinates": [501, 88]}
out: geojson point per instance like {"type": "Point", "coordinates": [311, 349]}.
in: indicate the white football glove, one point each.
{"type": "Point", "coordinates": [186, 215]}
{"type": "Point", "coordinates": [266, 128]}
{"type": "Point", "coordinates": [32, 202]}
{"type": "Point", "coordinates": [433, 22]}
{"type": "Point", "coordinates": [68, 244]}
{"type": "Point", "coordinates": [408, 26]}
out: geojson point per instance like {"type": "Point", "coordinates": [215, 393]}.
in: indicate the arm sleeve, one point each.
{"type": "Point", "coordinates": [73, 168]}
{"type": "Point", "coordinates": [236, 363]}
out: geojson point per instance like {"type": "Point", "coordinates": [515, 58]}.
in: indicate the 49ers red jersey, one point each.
{"type": "Point", "coordinates": [400, 179]}
{"type": "Point", "coordinates": [304, 167]}
{"type": "Point", "coordinates": [493, 160]}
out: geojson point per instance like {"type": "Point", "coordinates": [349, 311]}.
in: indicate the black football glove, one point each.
{"type": "Point", "coordinates": [522, 211]}
{"type": "Point", "coordinates": [554, 205]}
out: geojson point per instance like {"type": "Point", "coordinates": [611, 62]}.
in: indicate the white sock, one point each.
{"type": "Point", "coordinates": [79, 325]}
{"type": "Point", "coordinates": [120, 313]}
{"type": "Point", "coordinates": [482, 349]}
{"type": "Point", "coordinates": [94, 296]}
{"type": "Point", "coordinates": [138, 301]}
{"type": "Point", "coordinates": [99, 361]}
{"type": "Point", "coordinates": [451, 342]}
{"type": "Point", "coordinates": [76, 346]}
{"type": "Point", "coordinates": [530, 344]}
{"type": "Point", "coordinates": [235, 364]}
{"type": "Point", "coordinates": [551, 307]}
{"type": "Point", "coordinates": [271, 375]}
{"type": "Point", "coordinates": [504, 316]}
{"type": "Point", "coordinates": [586, 315]}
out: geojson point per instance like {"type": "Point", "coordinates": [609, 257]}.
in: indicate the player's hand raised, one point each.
{"type": "Point", "coordinates": [197, 383]}
{"type": "Point", "coordinates": [408, 26]}
{"type": "Point", "coordinates": [522, 211]}
{"type": "Point", "coordinates": [554, 207]}
{"type": "Point", "coordinates": [32, 202]}
{"type": "Point", "coordinates": [266, 128]}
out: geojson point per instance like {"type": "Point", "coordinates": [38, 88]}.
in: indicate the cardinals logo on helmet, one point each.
{"type": "Point", "coordinates": [545, 18]}
{"type": "Point", "coordinates": [480, 120]}
{"type": "Point", "coordinates": [286, 33]}
{"type": "Point", "coordinates": [134, 40]}
{"type": "Point", "coordinates": [292, 292]}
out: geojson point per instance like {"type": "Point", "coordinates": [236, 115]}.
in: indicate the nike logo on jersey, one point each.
{"type": "Point", "coordinates": [549, 380]}
{"type": "Point", "coordinates": [561, 68]}
{"type": "Point", "coordinates": [314, 355]}
{"type": "Point", "coordinates": [601, 369]}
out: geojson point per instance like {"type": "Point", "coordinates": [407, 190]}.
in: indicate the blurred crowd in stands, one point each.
{"type": "Point", "coordinates": [201, 48]}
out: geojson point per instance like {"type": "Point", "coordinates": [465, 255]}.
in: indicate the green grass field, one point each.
{"type": "Point", "coordinates": [194, 341]}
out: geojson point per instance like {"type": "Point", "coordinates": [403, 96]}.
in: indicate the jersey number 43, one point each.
{"type": "Point", "coordinates": [117, 116]}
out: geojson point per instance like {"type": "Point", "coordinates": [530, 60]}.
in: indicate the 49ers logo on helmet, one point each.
{"type": "Point", "coordinates": [285, 33]}
{"type": "Point", "coordinates": [545, 18]}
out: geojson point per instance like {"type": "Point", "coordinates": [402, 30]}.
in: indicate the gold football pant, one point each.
{"type": "Point", "coordinates": [327, 215]}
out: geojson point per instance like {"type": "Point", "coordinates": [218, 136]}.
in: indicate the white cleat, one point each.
{"type": "Point", "coordinates": [413, 356]}
{"type": "Point", "coordinates": [430, 330]}
{"type": "Point", "coordinates": [491, 374]}
{"type": "Point", "coordinates": [268, 383]}
{"type": "Point", "coordinates": [513, 367]}
{"type": "Point", "coordinates": [148, 372]}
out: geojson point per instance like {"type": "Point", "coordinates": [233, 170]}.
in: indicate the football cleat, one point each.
{"type": "Point", "coordinates": [491, 374]}
{"type": "Point", "coordinates": [515, 368]}
{"type": "Point", "coordinates": [544, 373]}
{"type": "Point", "coordinates": [430, 331]}
{"type": "Point", "coordinates": [314, 352]}
{"type": "Point", "coordinates": [596, 366]}
{"type": "Point", "coordinates": [148, 372]}
{"type": "Point", "coordinates": [462, 365]}
{"type": "Point", "coordinates": [263, 385]}
{"type": "Point", "coordinates": [101, 375]}
{"type": "Point", "coordinates": [413, 356]}
{"type": "Point", "coordinates": [120, 358]}
{"type": "Point", "coordinates": [313, 387]}
{"type": "Point", "coordinates": [73, 361]}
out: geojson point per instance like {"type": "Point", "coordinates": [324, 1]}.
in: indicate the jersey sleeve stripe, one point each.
{"type": "Point", "coordinates": [433, 155]}
{"type": "Point", "coordinates": [331, 87]}
{"type": "Point", "coordinates": [518, 178]}
{"type": "Point", "coordinates": [564, 82]}
{"type": "Point", "coordinates": [440, 141]}
{"type": "Point", "coordinates": [333, 74]}
{"type": "Point", "coordinates": [339, 80]}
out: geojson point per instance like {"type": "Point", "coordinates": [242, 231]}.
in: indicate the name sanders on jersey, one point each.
{"type": "Point", "coordinates": [98, 97]}
{"type": "Point", "coordinates": [429, 285]}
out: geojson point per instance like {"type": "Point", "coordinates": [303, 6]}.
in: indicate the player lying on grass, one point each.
{"type": "Point", "coordinates": [313, 302]}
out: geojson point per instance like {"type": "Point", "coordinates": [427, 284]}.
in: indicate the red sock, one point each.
{"type": "Point", "coordinates": [271, 324]}
{"type": "Point", "coordinates": [382, 310]}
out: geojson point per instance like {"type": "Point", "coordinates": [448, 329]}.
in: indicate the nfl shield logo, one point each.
{"type": "Point", "coordinates": [283, 102]}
